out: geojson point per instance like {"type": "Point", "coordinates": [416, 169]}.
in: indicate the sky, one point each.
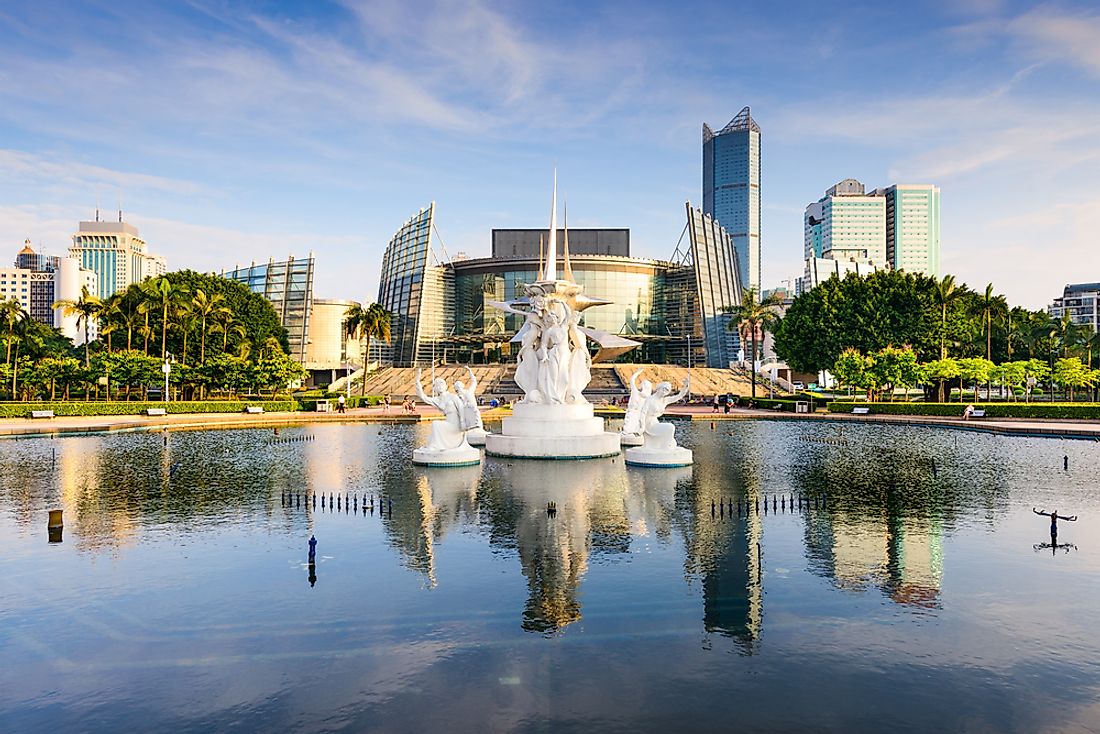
{"type": "Point", "coordinates": [235, 132]}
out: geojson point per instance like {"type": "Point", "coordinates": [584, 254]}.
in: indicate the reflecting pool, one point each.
{"type": "Point", "coordinates": [801, 576]}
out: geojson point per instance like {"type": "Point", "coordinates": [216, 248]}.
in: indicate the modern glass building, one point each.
{"type": "Point", "coordinates": [417, 290]}
{"type": "Point", "coordinates": [731, 188]}
{"type": "Point", "coordinates": [288, 285]}
{"type": "Point", "coordinates": [717, 284]}
{"type": "Point", "coordinates": [847, 224]}
{"type": "Point", "coordinates": [116, 253]}
{"type": "Point", "coordinates": [442, 308]}
{"type": "Point", "coordinates": [913, 228]}
{"type": "Point", "coordinates": [1082, 302]}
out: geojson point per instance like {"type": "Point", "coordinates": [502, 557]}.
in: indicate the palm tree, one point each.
{"type": "Point", "coordinates": [11, 313]}
{"type": "Point", "coordinates": [1066, 331]}
{"type": "Point", "coordinates": [186, 322]}
{"type": "Point", "coordinates": [84, 309]}
{"type": "Point", "coordinates": [946, 292]}
{"type": "Point", "coordinates": [110, 319]}
{"type": "Point", "coordinates": [373, 321]}
{"type": "Point", "coordinates": [166, 297]}
{"type": "Point", "coordinates": [754, 316]}
{"type": "Point", "coordinates": [991, 307]}
{"type": "Point", "coordinates": [206, 308]}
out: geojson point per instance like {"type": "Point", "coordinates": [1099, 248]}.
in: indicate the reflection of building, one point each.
{"type": "Point", "coordinates": [288, 286]}
{"type": "Point", "coordinates": [37, 281]}
{"type": "Point", "coordinates": [442, 307]}
{"type": "Point", "coordinates": [116, 253]}
{"type": "Point", "coordinates": [731, 188]}
{"type": "Point", "coordinates": [329, 348]}
{"type": "Point", "coordinates": [1082, 302]}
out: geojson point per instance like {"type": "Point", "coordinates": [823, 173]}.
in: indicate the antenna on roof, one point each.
{"type": "Point", "coordinates": [97, 203]}
{"type": "Point", "coordinates": [120, 205]}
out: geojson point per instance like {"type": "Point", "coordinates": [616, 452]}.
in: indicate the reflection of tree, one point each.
{"type": "Point", "coordinates": [887, 511]}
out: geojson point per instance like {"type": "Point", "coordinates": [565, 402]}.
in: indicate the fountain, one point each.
{"type": "Point", "coordinates": [553, 420]}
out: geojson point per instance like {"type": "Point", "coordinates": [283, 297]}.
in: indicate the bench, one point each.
{"type": "Point", "coordinates": [977, 414]}
{"type": "Point", "coordinates": [42, 414]}
{"type": "Point", "coordinates": [156, 411]}
{"type": "Point", "coordinates": [860, 411]}
{"type": "Point", "coordinates": [254, 409]}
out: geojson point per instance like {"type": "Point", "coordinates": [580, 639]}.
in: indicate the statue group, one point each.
{"type": "Point", "coordinates": [449, 441]}
{"type": "Point", "coordinates": [554, 365]}
{"type": "Point", "coordinates": [641, 424]}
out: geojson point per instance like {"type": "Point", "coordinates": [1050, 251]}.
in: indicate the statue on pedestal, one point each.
{"type": "Point", "coordinates": [447, 445]}
{"type": "Point", "coordinates": [659, 447]}
{"type": "Point", "coordinates": [633, 424]}
{"type": "Point", "coordinates": [472, 423]}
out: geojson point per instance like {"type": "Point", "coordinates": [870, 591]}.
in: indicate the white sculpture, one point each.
{"type": "Point", "coordinates": [633, 424]}
{"type": "Point", "coordinates": [447, 445]}
{"type": "Point", "coordinates": [472, 424]}
{"type": "Point", "coordinates": [553, 419]}
{"type": "Point", "coordinates": [659, 447]}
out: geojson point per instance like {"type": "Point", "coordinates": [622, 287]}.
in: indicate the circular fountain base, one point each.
{"type": "Point", "coordinates": [542, 431]}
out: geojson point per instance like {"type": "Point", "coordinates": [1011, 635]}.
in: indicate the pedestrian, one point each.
{"type": "Point", "coordinates": [714, 405]}
{"type": "Point", "coordinates": [386, 403]}
{"type": "Point", "coordinates": [341, 404]}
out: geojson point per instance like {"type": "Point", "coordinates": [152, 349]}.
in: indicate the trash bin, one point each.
{"type": "Point", "coordinates": [324, 406]}
{"type": "Point", "coordinates": [801, 406]}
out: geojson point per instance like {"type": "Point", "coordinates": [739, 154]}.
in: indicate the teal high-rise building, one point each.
{"type": "Point", "coordinates": [731, 188]}
{"type": "Point", "coordinates": [913, 228]}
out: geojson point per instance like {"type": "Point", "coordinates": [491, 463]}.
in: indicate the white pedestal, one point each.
{"type": "Point", "coordinates": [552, 431]}
{"type": "Point", "coordinates": [630, 439]}
{"type": "Point", "coordinates": [643, 456]}
{"type": "Point", "coordinates": [464, 455]}
{"type": "Point", "coordinates": [476, 436]}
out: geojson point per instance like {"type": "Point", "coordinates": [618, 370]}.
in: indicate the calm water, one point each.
{"type": "Point", "coordinates": [911, 593]}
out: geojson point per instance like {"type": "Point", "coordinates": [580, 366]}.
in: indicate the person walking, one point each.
{"type": "Point", "coordinates": [341, 404]}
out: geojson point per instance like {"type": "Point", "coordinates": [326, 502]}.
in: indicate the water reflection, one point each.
{"type": "Point", "coordinates": [448, 581]}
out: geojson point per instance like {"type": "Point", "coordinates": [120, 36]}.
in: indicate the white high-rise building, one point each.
{"type": "Point", "coordinates": [116, 253]}
{"type": "Point", "coordinates": [913, 228]}
{"type": "Point", "coordinates": [847, 224]}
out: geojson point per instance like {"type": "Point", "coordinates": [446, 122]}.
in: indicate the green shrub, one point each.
{"type": "Point", "coordinates": [1079, 411]}
{"type": "Point", "coordinates": [308, 403]}
{"type": "Point", "coordinates": [76, 408]}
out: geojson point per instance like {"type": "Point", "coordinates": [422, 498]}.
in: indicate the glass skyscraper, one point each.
{"type": "Point", "coordinates": [731, 188]}
{"type": "Point", "coordinates": [913, 228]}
{"type": "Point", "coordinates": [717, 283]}
{"type": "Point", "coordinates": [288, 285]}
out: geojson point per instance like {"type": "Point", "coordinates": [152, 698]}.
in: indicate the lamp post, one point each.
{"type": "Point", "coordinates": [166, 368]}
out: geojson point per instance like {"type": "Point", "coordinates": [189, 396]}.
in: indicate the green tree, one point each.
{"type": "Point", "coordinates": [164, 297]}
{"type": "Point", "coordinates": [754, 317]}
{"type": "Point", "coordinates": [974, 370]}
{"type": "Point", "coordinates": [85, 310]}
{"type": "Point", "coordinates": [367, 323]}
{"type": "Point", "coordinates": [11, 313]}
{"type": "Point", "coordinates": [941, 371]}
{"type": "Point", "coordinates": [1070, 374]}
{"type": "Point", "coordinates": [946, 292]}
{"type": "Point", "coordinates": [894, 367]}
{"type": "Point", "coordinates": [207, 308]}
{"type": "Point", "coordinates": [853, 369]}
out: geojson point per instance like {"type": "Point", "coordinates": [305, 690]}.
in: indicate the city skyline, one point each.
{"type": "Point", "coordinates": [263, 130]}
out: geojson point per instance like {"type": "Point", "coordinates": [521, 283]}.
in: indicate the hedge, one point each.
{"type": "Point", "coordinates": [1078, 411]}
{"type": "Point", "coordinates": [73, 408]}
{"type": "Point", "coordinates": [308, 403]}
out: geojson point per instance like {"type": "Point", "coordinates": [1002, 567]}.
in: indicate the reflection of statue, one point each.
{"type": "Point", "coordinates": [659, 447]}
{"type": "Point", "coordinates": [632, 422]}
{"type": "Point", "coordinates": [447, 433]}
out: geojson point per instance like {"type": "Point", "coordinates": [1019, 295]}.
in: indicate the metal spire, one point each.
{"type": "Point", "coordinates": [567, 269]}
{"type": "Point", "coordinates": [552, 244]}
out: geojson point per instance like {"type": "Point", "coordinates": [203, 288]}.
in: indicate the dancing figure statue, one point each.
{"type": "Point", "coordinates": [580, 364]}
{"type": "Point", "coordinates": [447, 433]}
{"type": "Point", "coordinates": [554, 355]}
{"type": "Point", "coordinates": [632, 422]}
{"type": "Point", "coordinates": [660, 435]}
{"type": "Point", "coordinates": [471, 414]}
{"type": "Point", "coordinates": [527, 366]}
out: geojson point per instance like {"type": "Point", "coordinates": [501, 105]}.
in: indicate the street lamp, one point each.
{"type": "Point", "coordinates": [166, 368]}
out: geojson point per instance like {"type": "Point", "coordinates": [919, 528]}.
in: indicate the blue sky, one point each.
{"type": "Point", "coordinates": [239, 130]}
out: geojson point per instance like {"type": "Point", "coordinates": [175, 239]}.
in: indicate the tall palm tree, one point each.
{"type": "Point", "coordinates": [110, 319]}
{"type": "Point", "coordinates": [1066, 332]}
{"type": "Point", "coordinates": [84, 309]}
{"type": "Point", "coordinates": [991, 307]}
{"type": "Point", "coordinates": [372, 321]}
{"type": "Point", "coordinates": [207, 308]}
{"type": "Point", "coordinates": [165, 297]}
{"type": "Point", "coordinates": [186, 322]}
{"type": "Point", "coordinates": [756, 317]}
{"type": "Point", "coordinates": [11, 313]}
{"type": "Point", "coordinates": [946, 293]}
